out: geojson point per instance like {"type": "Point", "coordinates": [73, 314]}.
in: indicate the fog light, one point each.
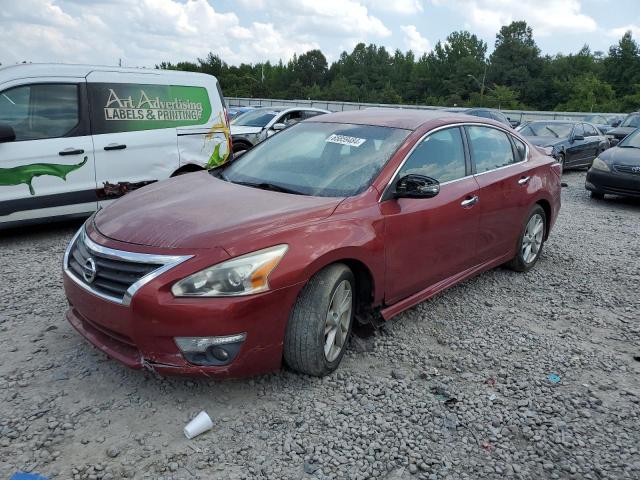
{"type": "Point", "coordinates": [210, 351]}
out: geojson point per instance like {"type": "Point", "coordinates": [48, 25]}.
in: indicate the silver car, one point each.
{"type": "Point", "coordinates": [254, 126]}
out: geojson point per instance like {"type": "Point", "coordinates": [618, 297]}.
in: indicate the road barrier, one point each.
{"type": "Point", "coordinates": [519, 115]}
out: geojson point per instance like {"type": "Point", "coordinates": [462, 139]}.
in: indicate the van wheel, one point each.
{"type": "Point", "coordinates": [531, 241]}
{"type": "Point", "coordinates": [320, 322]}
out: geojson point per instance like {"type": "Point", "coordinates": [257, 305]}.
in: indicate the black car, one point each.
{"type": "Point", "coordinates": [628, 125]}
{"type": "Point", "coordinates": [617, 171]}
{"type": "Point", "coordinates": [574, 144]}
{"type": "Point", "coordinates": [486, 113]}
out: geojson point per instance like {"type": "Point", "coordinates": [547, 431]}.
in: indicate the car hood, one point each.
{"type": "Point", "coordinates": [624, 156]}
{"type": "Point", "coordinates": [200, 211]}
{"type": "Point", "coordinates": [545, 141]}
{"type": "Point", "coordinates": [242, 130]}
{"type": "Point", "coordinates": [621, 131]}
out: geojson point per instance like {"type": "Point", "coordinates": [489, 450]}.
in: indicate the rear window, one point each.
{"type": "Point", "coordinates": [127, 107]}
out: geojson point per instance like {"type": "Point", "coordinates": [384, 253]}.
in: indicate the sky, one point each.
{"type": "Point", "coordinates": [142, 33]}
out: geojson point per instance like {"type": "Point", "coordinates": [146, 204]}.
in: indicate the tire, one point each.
{"type": "Point", "coordinates": [309, 330]}
{"type": "Point", "coordinates": [240, 147]}
{"type": "Point", "coordinates": [597, 195]}
{"type": "Point", "coordinates": [524, 261]}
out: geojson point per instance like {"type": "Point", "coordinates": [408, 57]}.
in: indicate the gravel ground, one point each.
{"type": "Point", "coordinates": [455, 388]}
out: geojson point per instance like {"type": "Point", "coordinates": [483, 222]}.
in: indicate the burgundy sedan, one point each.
{"type": "Point", "coordinates": [271, 258]}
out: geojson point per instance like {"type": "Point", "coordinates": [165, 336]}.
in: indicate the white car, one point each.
{"type": "Point", "coordinates": [256, 125]}
{"type": "Point", "coordinates": [74, 137]}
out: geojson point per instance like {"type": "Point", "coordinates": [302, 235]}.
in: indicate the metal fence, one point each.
{"type": "Point", "coordinates": [519, 115]}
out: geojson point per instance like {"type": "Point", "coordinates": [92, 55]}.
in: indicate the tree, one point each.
{"type": "Point", "coordinates": [622, 66]}
{"type": "Point", "coordinates": [311, 68]}
{"type": "Point", "coordinates": [589, 94]}
{"type": "Point", "coordinates": [516, 60]}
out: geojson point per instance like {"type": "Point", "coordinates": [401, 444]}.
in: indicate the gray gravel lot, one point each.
{"type": "Point", "coordinates": [454, 388]}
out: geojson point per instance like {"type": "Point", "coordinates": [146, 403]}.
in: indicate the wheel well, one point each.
{"type": "Point", "coordinates": [188, 168]}
{"type": "Point", "coordinates": [364, 287]}
{"type": "Point", "coordinates": [241, 143]}
{"type": "Point", "coordinates": [546, 206]}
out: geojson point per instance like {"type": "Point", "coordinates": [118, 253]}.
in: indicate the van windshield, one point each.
{"type": "Point", "coordinates": [319, 159]}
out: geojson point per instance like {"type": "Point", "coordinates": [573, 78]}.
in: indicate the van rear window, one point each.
{"type": "Point", "coordinates": [126, 107]}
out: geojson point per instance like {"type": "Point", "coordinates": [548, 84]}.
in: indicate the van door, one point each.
{"type": "Point", "coordinates": [48, 170]}
{"type": "Point", "coordinates": [133, 121]}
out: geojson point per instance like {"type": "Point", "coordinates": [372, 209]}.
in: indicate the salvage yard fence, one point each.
{"type": "Point", "coordinates": [519, 115]}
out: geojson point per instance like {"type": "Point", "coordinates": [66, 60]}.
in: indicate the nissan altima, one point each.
{"type": "Point", "coordinates": [270, 259]}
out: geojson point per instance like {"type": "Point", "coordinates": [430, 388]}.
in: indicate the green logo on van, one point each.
{"type": "Point", "coordinates": [26, 173]}
{"type": "Point", "coordinates": [131, 107]}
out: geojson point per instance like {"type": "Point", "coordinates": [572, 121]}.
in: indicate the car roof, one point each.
{"type": "Point", "coordinates": [27, 70]}
{"type": "Point", "coordinates": [408, 119]}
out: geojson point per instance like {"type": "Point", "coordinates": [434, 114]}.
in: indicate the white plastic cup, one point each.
{"type": "Point", "coordinates": [200, 424]}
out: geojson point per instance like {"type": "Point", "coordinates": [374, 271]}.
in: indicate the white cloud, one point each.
{"type": "Point", "coordinates": [546, 17]}
{"type": "Point", "coordinates": [618, 32]}
{"type": "Point", "coordinates": [414, 40]}
{"type": "Point", "coordinates": [402, 7]}
{"type": "Point", "coordinates": [141, 33]}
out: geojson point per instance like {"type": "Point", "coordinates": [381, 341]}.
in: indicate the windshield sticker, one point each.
{"type": "Point", "coordinates": [346, 140]}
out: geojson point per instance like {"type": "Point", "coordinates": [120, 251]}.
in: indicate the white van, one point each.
{"type": "Point", "coordinates": [74, 137]}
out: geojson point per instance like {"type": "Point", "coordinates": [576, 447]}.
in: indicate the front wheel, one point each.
{"type": "Point", "coordinates": [531, 241]}
{"type": "Point", "coordinates": [320, 322]}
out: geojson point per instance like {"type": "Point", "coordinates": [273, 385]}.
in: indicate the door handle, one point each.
{"type": "Point", "coordinates": [524, 180]}
{"type": "Point", "coordinates": [71, 151]}
{"type": "Point", "coordinates": [115, 146]}
{"type": "Point", "coordinates": [469, 202]}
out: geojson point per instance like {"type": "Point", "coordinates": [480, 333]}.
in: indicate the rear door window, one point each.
{"type": "Point", "coordinates": [41, 111]}
{"type": "Point", "coordinates": [440, 156]}
{"type": "Point", "coordinates": [578, 130]}
{"type": "Point", "coordinates": [490, 148]}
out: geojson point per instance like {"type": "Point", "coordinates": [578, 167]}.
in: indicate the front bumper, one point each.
{"type": "Point", "coordinates": [614, 183]}
{"type": "Point", "coordinates": [141, 334]}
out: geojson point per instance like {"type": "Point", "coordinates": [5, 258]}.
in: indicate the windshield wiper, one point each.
{"type": "Point", "coordinates": [271, 186]}
{"type": "Point", "coordinates": [557, 136]}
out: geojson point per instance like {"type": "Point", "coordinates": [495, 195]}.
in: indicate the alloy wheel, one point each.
{"type": "Point", "coordinates": [532, 240]}
{"type": "Point", "coordinates": [336, 326]}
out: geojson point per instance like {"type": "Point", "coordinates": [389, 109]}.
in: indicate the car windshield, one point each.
{"type": "Point", "coordinates": [547, 129]}
{"type": "Point", "coordinates": [632, 140]}
{"type": "Point", "coordinates": [631, 121]}
{"type": "Point", "coordinates": [319, 159]}
{"type": "Point", "coordinates": [254, 118]}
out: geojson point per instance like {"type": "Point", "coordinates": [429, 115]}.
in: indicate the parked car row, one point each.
{"type": "Point", "coordinates": [269, 257]}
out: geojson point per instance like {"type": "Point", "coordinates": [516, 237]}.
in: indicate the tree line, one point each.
{"type": "Point", "coordinates": [457, 72]}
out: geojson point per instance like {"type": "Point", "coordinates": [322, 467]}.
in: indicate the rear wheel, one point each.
{"type": "Point", "coordinates": [531, 241]}
{"type": "Point", "coordinates": [597, 195]}
{"type": "Point", "coordinates": [320, 322]}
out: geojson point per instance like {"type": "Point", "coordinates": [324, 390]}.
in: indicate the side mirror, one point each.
{"type": "Point", "coordinates": [278, 126]}
{"type": "Point", "coordinates": [7, 134]}
{"type": "Point", "coordinates": [577, 137]}
{"type": "Point", "coordinates": [416, 186]}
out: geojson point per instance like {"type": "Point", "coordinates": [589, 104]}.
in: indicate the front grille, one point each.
{"type": "Point", "coordinates": [632, 169]}
{"type": "Point", "coordinates": [112, 277]}
{"type": "Point", "coordinates": [112, 274]}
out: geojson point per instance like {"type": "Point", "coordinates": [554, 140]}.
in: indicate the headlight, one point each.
{"type": "Point", "coordinates": [243, 275]}
{"type": "Point", "coordinates": [600, 165]}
